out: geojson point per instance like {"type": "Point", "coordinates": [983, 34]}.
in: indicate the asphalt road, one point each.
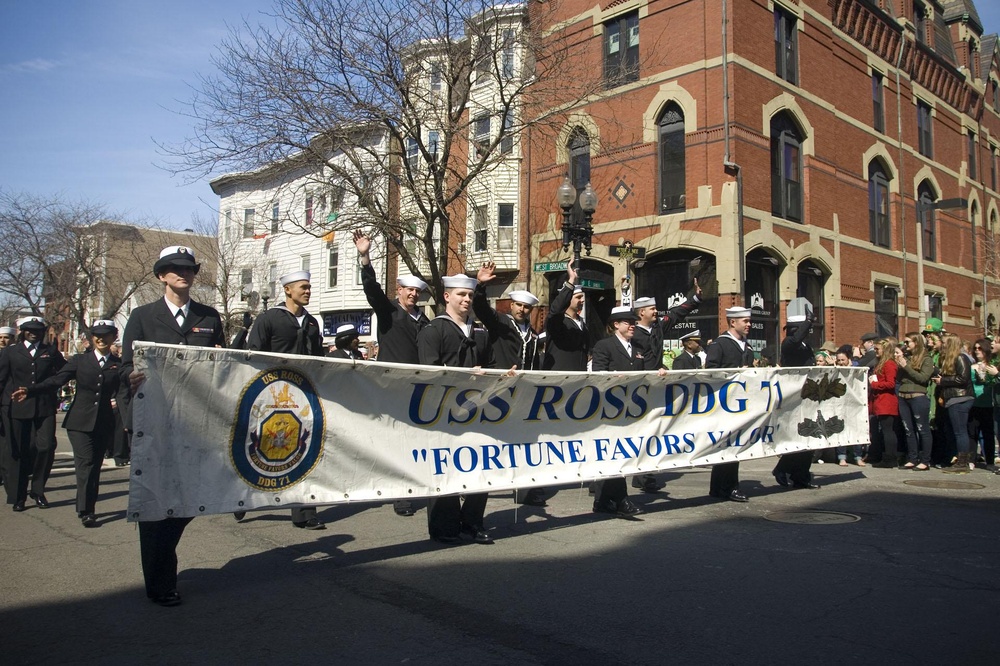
{"type": "Point", "coordinates": [692, 581]}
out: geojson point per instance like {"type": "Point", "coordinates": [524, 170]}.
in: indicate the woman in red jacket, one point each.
{"type": "Point", "coordinates": [883, 401]}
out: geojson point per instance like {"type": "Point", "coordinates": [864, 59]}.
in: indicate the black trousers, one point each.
{"type": "Point", "coordinates": [121, 448]}
{"type": "Point", "coordinates": [158, 541]}
{"type": "Point", "coordinates": [981, 423]}
{"type": "Point", "coordinates": [521, 495]}
{"type": "Point", "coordinates": [446, 516]}
{"type": "Point", "coordinates": [30, 451]}
{"type": "Point", "coordinates": [88, 455]}
{"type": "Point", "coordinates": [303, 514]}
{"type": "Point", "coordinates": [615, 489]}
{"type": "Point", "coordinates": [725, 479]}
{"type": "Point", "coordinates": [796, 466]}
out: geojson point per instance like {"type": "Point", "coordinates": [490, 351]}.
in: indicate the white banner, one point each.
{"type": "Point", "coordinates": [217, 431]}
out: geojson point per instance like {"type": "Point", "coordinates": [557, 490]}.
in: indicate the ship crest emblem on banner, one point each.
{"type": "Point", "coordinates": [278, 431]}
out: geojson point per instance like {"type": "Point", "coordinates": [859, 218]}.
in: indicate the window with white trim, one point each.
{"type": "Point", "coordinates": [786, 168]}
{"type": "Point", "coordinates": [925, 136]}
{"type": "Point", "coordinates": [248, 222]}
{"type": "Point", "coordinates": [621, 50]}
{"type": "Point", "coordinates": [505, 226]}
{"type": "Point", "coordinates": [878, 102]}
{"type": "Point", "coordinates": [479, 233]}
{"type": "Point", "coordinates": [786, 45]}
{"type": "Point", "coordinates": [333, 263]}
{"type": "Point", "coordinates": [878, 204]}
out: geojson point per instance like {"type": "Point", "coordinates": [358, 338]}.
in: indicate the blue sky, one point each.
{"type": "Point", "coordinates": [88, 85]}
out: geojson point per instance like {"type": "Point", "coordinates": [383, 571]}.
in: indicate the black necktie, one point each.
{"type": "Point", "coordinates": [101, 361]}
{"type": "Point", "coordinates": [180, 318]}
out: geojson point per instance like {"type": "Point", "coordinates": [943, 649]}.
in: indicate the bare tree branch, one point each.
{"type": "Point", "coordinates": [423, 77]}
{"type": "Point", "coordinates": [72, 261]}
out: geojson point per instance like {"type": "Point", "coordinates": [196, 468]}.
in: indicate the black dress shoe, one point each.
{"type": "Point", "coordinates": [403, 508]}
{"type": "Point", "coordinates": [122, 463]}
{"type": "Point", "coordinates": [311, 524]}
{"type": "Point", "coordinates": [239, 515]}
{"type": "Point", "coordinates": [18, 506]}
{"type": "Point", "coordinates": [781, 478]}
{"type": "Point", "coordinates": [40, 500]}
{"type": "Point", "coordinates": [445, 539]}
{"type": "Point", "coordinates": [647, 483]}
{"type": "Point", "coordinates": [735, 496]}
{"type": "Point", "coordinates": [534, 498]}
{"type": "Point", "coordinates": [477, 534]}
{"type": "Point", "coordinates": [627, 509]}
{"type": "Point", "coordinates": [810, 485]}
{"type": "Point", "coordinates": [88, 520]}
{"type": "Point", "coordinates": [168, 599]}
{"type": "Point", "coordinates": [606, 506]}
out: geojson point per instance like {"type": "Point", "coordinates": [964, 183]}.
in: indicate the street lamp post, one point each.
{"type": "Point", "coordinates": [577, 232]}
{"type": "Point", "coordinates": [266, 296]}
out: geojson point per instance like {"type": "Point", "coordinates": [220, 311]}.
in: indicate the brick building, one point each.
{"type": "Point", "coordinates": [846, 148]}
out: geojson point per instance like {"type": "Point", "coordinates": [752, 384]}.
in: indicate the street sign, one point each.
{"type": "Point", "coordinates": [590, 284]}
{"type": "Point", "coordinates": [549, 266]}
{"type": "Point", "coordinates": [951, 203]}
{"type": "Point", "coordinates": [626, 249]}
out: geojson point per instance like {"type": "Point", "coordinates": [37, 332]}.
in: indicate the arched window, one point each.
{"type": "Point", "coordinates": [786, 168]}
{"type": "Point", "coordinates": [671, 137]}
{"type": "Point", "coordinates": [761, 288]}
{"type": "Point", "coordinates": [990, 257]}
{"type": "Point", "coordinates": [974, 220]}
{"type": "Point", "coordinates": [925, 219]}
{"type": "Point", "coordinates": [811, 282]}
{"type": "Point", "coordinates": [878, 204]}
{"type": "Point", "coordinates": [579, 165]}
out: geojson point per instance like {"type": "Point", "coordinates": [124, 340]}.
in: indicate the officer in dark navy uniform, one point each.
{"type": "Point", "coordinates": [30, 425]}
{"type": "Point", "coordinates": [567, 345]}
{"type": "Point", "coordinates": [174, 319]}
{"type": "Point", "coordinates": [399, 321]}
{"type": "Point", "coordinates": [346, 343]}
{"type": "Point", "coordinates": [7, 335]}
{"type": "Point", "coordinates": [514, 342]}
{"type": "Point", "coordinates": [689, 358]}
{"type": "Point", "coordinates": [652, 326]}
{"type": "Point", "coordinates": [448, 341]}
{"type": "Point", "coordinates": [90, 421]}
{"type": "Point", "coordinates": [730, 350]}
{"type": "Point", "coordinates": [121, 446]}
{"type": "Point", "coordinates": [288, 328]}
{"type": "Point", "coordinates": [796, 352]}
{"type": "Point", "coordinates": [651, 330]}
{"type": "Point", "coordinates": [617, 353]}
{"type": "Point", "coordinates": [514, 345]}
